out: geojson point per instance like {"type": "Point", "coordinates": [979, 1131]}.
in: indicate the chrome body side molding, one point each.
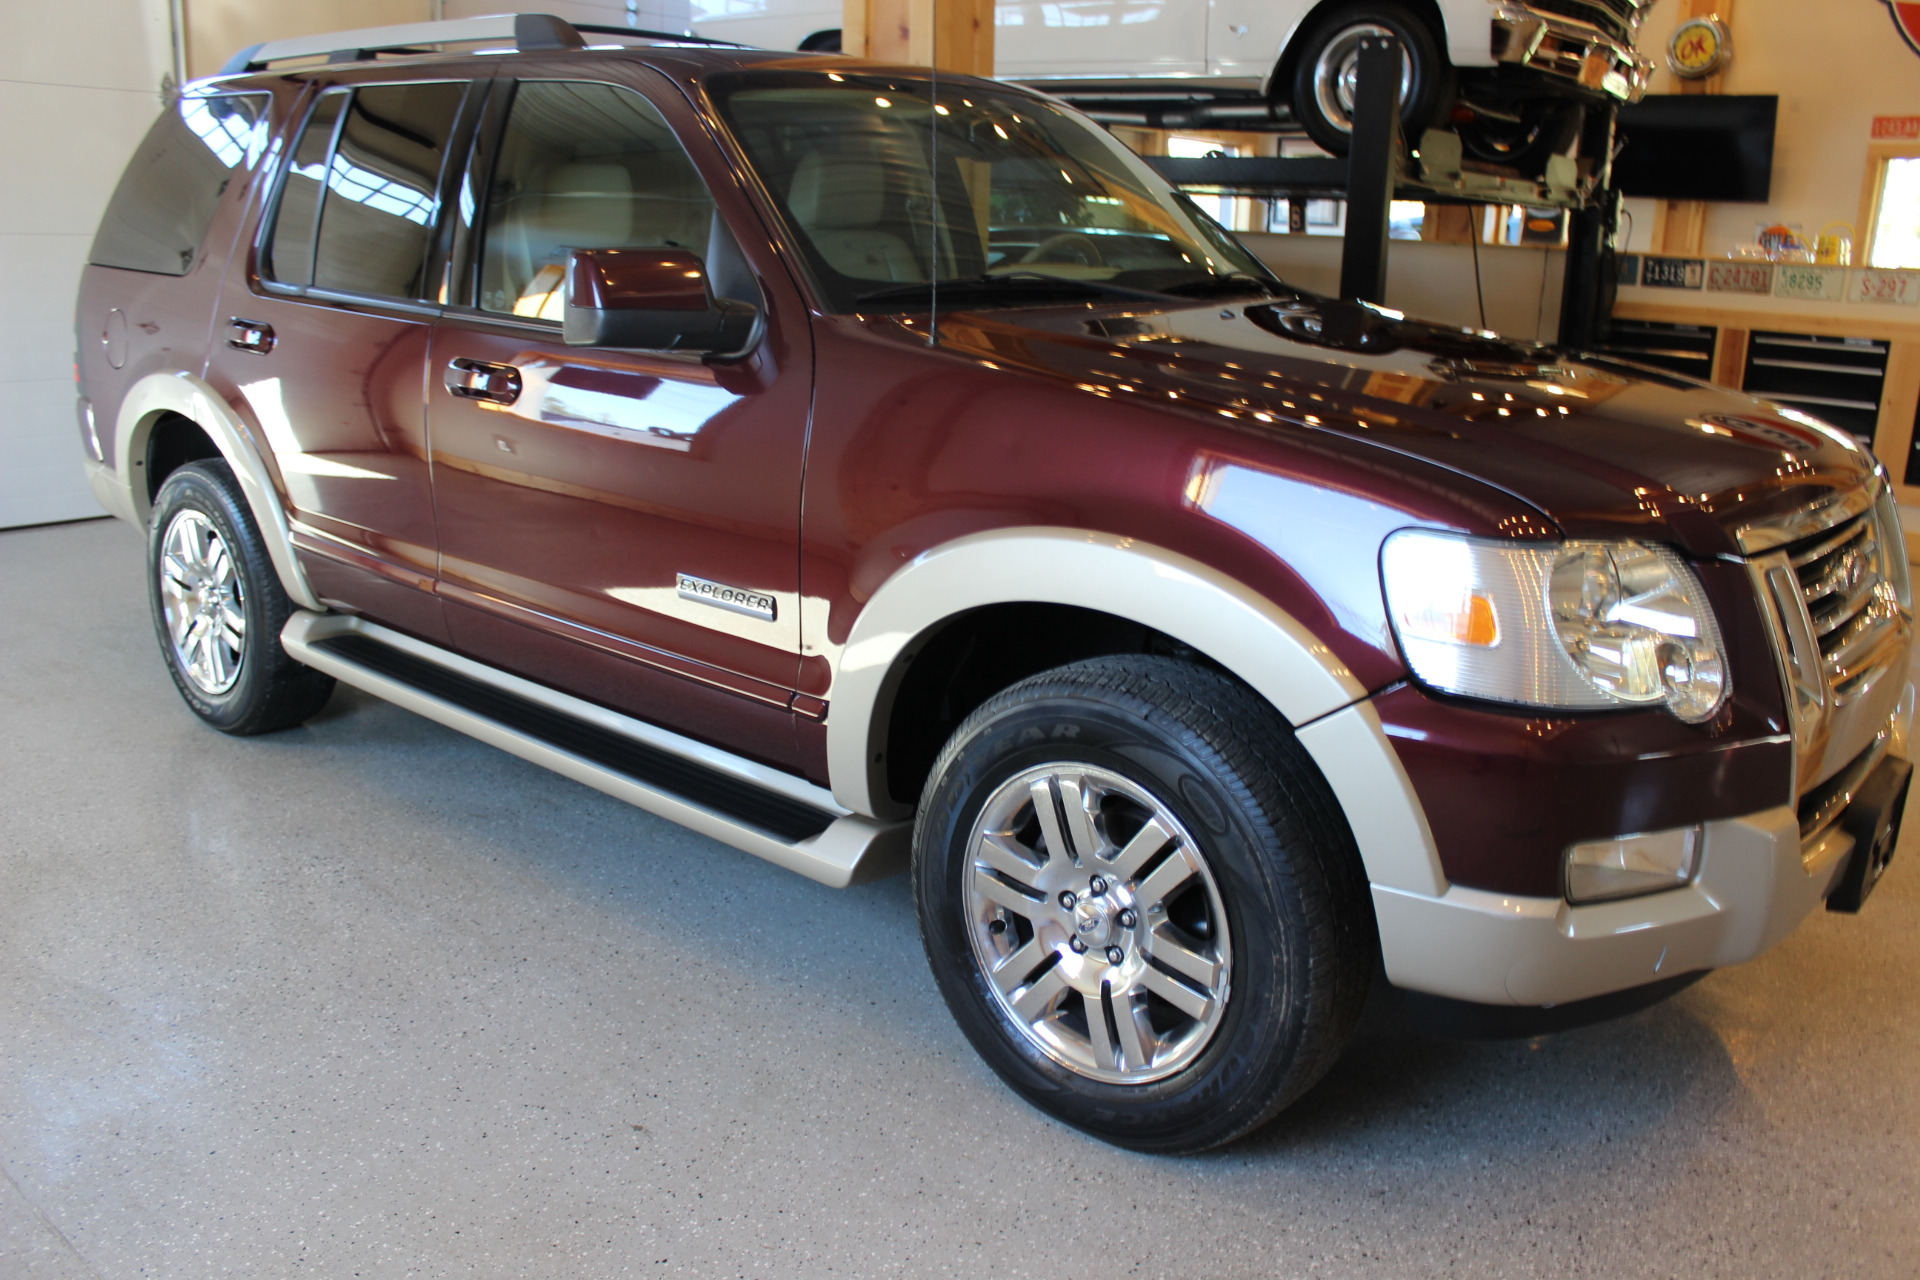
{"type": "Point", "coordinates": [847, 849]}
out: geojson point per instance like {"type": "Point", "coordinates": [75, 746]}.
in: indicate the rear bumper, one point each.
{"type": "Point", "coordinates": [1569, 50]}
{"type": "Point", "coordinates": [1753, 888]}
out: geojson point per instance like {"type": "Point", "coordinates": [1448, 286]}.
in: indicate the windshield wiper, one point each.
{"type": "Point", "coordinates": [1238, 282]}
{"type": "Point", "coordinates": [1013, 286]}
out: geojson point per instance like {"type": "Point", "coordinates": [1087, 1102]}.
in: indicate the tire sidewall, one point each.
{"type": "Point", "coordinates": [1264, 928]}
{"type": "Point", "coordinates": [1431, 72]}
{"type": "Point", "coordinates": [198, 487]}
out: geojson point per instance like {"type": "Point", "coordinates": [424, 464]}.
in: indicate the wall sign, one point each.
{"type": "Point", "coordinates": [1906, 16]}
{"type": "Point", "coordinates": [1673, 273]}
{"type": "Point", "coordinates": [1896, 128]}
{"type": "Point", "coordinates": [1740, 277]}
{"type": "Point", "coordinates": [1894, 288]}
{"type": "Point", "coordinates": [1809, 284]}
{"type": "Point", "coordinates": [1701, 47]}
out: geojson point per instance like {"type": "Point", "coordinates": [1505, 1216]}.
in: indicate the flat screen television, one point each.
{"type": "Point", "coordinates": [1698, 147]}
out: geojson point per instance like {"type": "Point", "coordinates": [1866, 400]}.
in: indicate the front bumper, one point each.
{"type": "Point", "coordinates": [1756, 883]}
{"type": "Point", "coordinates": [1570, 50]}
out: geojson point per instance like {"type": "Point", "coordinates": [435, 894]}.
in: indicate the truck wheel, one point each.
{"type": "Point", "coordinates": [1326, 69]}
{"type": "Point", "coordinates": [1141, 903]}
{"type": "Point", "coordinates": [218, 608]}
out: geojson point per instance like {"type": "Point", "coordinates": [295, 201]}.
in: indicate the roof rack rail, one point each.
{"type": "Point", "coordinates": [528, 31]}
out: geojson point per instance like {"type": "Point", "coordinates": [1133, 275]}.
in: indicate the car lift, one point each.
{"type": "Point", "coordinates": [1378, 170]}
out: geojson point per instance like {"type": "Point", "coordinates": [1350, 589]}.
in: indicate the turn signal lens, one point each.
{"type": "Point", "coordinates": [1628, 866]}
{"type": "Point", "coordinates": [1471, 620]}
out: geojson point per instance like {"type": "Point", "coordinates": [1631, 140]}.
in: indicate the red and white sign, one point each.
{"type": "Point", "coordinates": [1896, 128]}
{"type": "Point", "coordinates": [1906, 16]}
{"type": "Point", "coordinates": [1893, 288]}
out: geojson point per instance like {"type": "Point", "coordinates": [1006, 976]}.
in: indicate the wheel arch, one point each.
{"type": "Point", "coordinates": [1195, 608]}
{"type": "Point", "coordinates": [160, 403]}
{"type": "Point", "coordinates": [1280, 77]}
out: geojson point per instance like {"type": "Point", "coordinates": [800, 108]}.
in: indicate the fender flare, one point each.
{"type": "Point", "coordinates": [1229, 622]}
{"type": "Point", "coordinates": [192, 398]}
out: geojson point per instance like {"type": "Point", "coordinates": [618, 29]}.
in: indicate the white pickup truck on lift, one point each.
{"type": "Point", "coordinates": [1510, 76]}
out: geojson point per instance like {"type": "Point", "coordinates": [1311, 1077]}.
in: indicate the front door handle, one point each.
{"type": "Point", "coordinates": [250, 335]}
{"type": "Point", "coordinates": [478, 380]}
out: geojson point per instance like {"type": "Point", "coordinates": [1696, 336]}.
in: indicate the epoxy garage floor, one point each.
{"type": "Point", "coordinates": [371, 999]}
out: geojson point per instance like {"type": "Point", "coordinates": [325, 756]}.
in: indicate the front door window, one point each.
{"type": "Point", "coordinates": [582, 166]}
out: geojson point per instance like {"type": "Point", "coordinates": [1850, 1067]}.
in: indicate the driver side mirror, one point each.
{"type": "Point", "coordinates": [651, 300]}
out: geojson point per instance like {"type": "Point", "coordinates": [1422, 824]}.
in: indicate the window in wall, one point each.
{"type": "Point", "coordinates": [1896, 217]}
{"type": "Point", "coordinates": [583, 166]}
{"type": "Point", "coordinates": [1219, 208]}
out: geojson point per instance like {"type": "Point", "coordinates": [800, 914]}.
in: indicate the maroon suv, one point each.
{"type": "Point", "coordinates": [857, 465]}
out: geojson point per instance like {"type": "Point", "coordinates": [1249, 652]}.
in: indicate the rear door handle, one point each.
{"type": "Point", "coordinates": [250, 335]}
{"type": "Point", "coordinates": [478, 380]}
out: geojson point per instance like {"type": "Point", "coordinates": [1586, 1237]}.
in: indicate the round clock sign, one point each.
{"type": "Point", "coordinates": [1699, 48]}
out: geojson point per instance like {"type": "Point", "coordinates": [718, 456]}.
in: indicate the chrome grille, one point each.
{"type": "Point", "coordinates": [1836, 594]}
{"type": "Point", "coordinates": [1615, 17]}
{"type": "Point", "coordinates": [1850, 602]}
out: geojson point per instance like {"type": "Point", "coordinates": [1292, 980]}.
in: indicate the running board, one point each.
{"type": "Point", "coordinates": [764, 811]}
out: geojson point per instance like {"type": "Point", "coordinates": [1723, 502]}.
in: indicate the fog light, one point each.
{"type": "Point", "coordinates": [1628, 866]}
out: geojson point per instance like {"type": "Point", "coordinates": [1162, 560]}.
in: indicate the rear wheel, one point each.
{"type": "Point", "coordinates": [1326, 73]}
{"type": "Point", "coordinates": [1141, 903]}
{"type": "Point", "coordinates": [218, 608]}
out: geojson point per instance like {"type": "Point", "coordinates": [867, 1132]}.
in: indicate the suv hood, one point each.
{"type": "Point", "coordinates": [1598, 447]}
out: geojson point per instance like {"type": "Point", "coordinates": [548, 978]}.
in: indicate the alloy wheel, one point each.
{"type": "Point", "coordinates": [1097, 923]}
{"type": "Point", "coordinates": [203, 601]}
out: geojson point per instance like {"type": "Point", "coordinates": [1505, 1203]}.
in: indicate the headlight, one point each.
{"type": "Point", "coordinates": [1579, 625]}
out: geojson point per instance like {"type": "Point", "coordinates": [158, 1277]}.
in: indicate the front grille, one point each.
{"type": "Point", "coordinates": [1615, 17]}
{"type": "Point", "coordinates": [1855, 613]}
{"type": "Point", "coordinates": [1835, 593]}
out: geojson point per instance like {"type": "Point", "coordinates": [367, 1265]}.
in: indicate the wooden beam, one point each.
{"type": "Point", "coordinates": [953, 35]}
{"type": "Point", "coordinates": [1730, 358]}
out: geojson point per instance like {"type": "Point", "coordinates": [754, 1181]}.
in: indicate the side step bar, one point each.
{"type": "Point", "coordinates": [764, 811]}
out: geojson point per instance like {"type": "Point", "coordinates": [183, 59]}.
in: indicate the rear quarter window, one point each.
{"type": "Point", "coordinates": [159, 213]}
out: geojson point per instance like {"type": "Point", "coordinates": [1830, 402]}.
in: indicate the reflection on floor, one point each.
{"type": "Point", "coordinates": [368, 998]}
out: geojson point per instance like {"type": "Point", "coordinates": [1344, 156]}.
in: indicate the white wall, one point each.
{"type": "Point", "coordinates": [1835, 67]}
{"type": "Point", "coordinates": [79, 84]}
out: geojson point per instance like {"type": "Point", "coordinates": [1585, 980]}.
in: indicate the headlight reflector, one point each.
{"type": "Point", "coordinates": [1579, 625]}
{"type": "Point", "coordinates": [1634, 620]}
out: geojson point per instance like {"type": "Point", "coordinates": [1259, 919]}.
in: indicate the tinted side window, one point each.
{"type": "Point", "coordinates": [289, 256]}
{"type": "Point", "coordinates": [160, 211]}
{"type": "Point", "coordinates": [582, 166]}
{"type": "Point", "coordinates": [371, 163]}
{"type": "Point", "coordinates": [381, 189]}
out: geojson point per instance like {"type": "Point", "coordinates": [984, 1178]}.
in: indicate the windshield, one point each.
{"type": "Point", "coordinates": [885, 189]}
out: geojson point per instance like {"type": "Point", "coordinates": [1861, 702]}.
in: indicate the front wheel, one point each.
{"type": "Point", "coordinates": [1141, 903]}
{"type": "Point", "coordinates": [1326, 73]}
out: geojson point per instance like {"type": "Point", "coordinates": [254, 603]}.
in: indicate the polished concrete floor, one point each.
{"type": "Point", "coordinates": [370, 999]}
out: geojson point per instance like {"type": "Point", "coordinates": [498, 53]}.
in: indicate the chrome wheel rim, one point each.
{"type": "Point", "coordinates": [1097, 923]}
{"type": "Point", "coordinates": [1336, 74]}
{"type": "Point", "coordinates": [202, 601]}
